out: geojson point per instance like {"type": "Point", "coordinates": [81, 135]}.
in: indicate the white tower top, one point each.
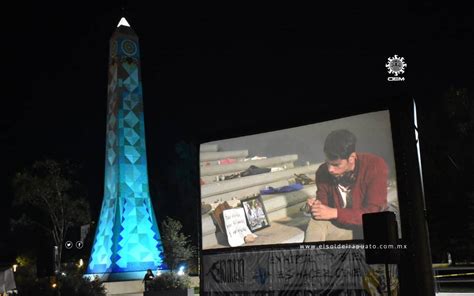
{"type": "Point", "coordinates": [123, 22]}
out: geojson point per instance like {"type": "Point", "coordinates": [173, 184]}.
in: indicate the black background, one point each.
{"type": "Point", "coordinates": [214, 70]}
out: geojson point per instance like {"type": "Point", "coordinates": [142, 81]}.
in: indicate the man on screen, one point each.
{"type": "Point", "coordinates": [349, 184]}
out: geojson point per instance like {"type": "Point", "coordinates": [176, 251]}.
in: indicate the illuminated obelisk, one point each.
{"type": "Point", "coordinates": [127, 240]}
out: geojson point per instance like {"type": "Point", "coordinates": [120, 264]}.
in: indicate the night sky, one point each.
{"type": "Point", "coordinates": [210, 70]}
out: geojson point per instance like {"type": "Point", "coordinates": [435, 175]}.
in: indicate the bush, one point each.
{"type": "Point", "coordinates": [32, 287]}
{"type": "Point", "coordinates": [169, 281]}
{"type": "Point", "coordinates": [177, 246]}
{"type": "Point", "coordinates": [79, 286]}
{"type": "Point", "coordinates": [70, 285]}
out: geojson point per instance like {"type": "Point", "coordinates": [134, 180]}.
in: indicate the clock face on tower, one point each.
{"type": "Point", "coordinates": [129, 47]}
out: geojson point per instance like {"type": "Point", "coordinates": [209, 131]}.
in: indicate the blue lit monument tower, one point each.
{"type": "Point", "coordinates": [127, 240]}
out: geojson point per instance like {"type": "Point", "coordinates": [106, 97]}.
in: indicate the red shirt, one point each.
{"type": "Point", "coordinates": [369, 192]}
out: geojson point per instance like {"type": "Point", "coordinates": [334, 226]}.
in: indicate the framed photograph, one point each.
{"type": "Point", "coordinates": [255, 213]}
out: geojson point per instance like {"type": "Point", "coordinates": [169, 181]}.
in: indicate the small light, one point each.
{"type": "Point", "coordinates": [54, 285]}
{"type": "Point", "coordinates": [81, 262]}
{"type": "Point", "coordinates": [15, 266]}
{"type": "Point", "coordinates": [63, 273]}
{"type": "Point", "coordinates": [181, 270]}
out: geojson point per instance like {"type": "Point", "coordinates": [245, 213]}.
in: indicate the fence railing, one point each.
{"type": "Point", "coordinates": [453, 274]}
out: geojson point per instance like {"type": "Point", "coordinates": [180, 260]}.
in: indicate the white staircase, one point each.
{"type": "Point", "coordinates": [287, 221]}
{"type": "Point", "coordinates": [124, 288]}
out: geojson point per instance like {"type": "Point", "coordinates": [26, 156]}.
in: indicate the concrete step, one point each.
{"type": "Point", "coordinates": [211, 189]}
{"type": "Point", "coordinates": [215, 178]}
{"type": "Point", "coordinates": [242, 193]}
{"type": "Point", "coordinates": [277, 206]}
{"type": "Point", "coordinates": [212, 240]}
{"type": "Point", "coordinates": [286, 230]}
{"type": "Point", "coordinates": [208, 148]}
{"type": "Point", "coordinates": [211, 235]}
{"type": "Point", "coordinates": [209, 156]}
{"type": "Point", "coordinates": [288, 212]}
{"type": "Point", "coordinates": [213, 170]}
{"type": "Point", "coordinates": [216, 162]}
{"type": "Point", "coordinates": [274, 202]}
{"type": "Point", "coordinates": [208, 226]}
{"type": "Point", "coordinates": [287, 221]}
{"type": "Point", "coordinates": [124, 287]}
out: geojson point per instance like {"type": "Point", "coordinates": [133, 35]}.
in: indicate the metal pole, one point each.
{"type": "Point", "coordinates": [387, 275]}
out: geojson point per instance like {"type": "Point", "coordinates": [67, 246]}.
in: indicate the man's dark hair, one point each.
{"type": "Point", "coordinates": [339, 144]}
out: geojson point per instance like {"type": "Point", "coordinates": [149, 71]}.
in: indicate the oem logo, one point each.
{"type": "Point", "coordinates": [396, 65]}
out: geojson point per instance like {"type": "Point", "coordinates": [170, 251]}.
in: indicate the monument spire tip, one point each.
{"type": "Point", "coordinates": [123, 22]}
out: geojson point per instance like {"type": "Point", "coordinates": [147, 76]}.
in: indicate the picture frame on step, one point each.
{"type": "Point", "coordinates": [255, 213]}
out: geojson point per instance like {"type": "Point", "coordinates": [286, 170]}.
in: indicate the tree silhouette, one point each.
{"type": "Point", "coordinates": [177, 245]}
{"type": "Point", "coordinates": [50, 189]}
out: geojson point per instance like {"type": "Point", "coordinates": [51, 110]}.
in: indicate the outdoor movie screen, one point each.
{"type": "Point", "coordinates": [299, 185]}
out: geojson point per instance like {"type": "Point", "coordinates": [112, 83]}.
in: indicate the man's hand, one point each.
{"type": "Point", "coordinates": [322, 212]}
